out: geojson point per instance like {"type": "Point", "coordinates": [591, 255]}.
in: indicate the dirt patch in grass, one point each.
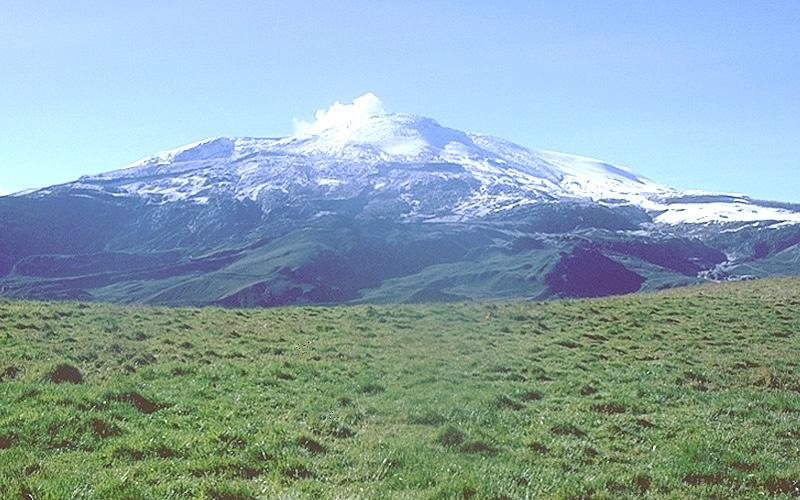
{"type": "Point", "coordinates": [567, 430]}
{"type": "Point", "coordinates": [248, 472]}
{"type": "Point", "coordinates": [698, 381]}
{"type": "Point", "coordinates": [104, 430]}
{"type": "Point", "coordinates": [642, 483]}
{"type": "Point", "coordinates": [7, 441]}
{"type": "Point", "coordinates": [590, 452]}
{"type": "Point", "coordinates": [372, 389]}
{"type": "Point", "coordinates": [165, 452]}
{"type": "Point", "coordinates": [609, 408]}
{"type": "Point", "coordinates": [792, 434]}
{"type": "Point", "coordinates": [783, 486]}
{"type": "Point", "coordinates": [342, 432]}
{"type": "Point", "coordinates": [32, 469]}
{"type": "Point", "coordinates": [588, 390]}
{"type": "Point", "coordinates": [310, 445]}
{"type": "Point", "coordinates": [539, 448]}
{"type": "Point", "coordinates": [450, 437]}
{"type": "Point", "coordinates": [232, 441]}
{"type": "Point", "coordinates": [504, 402]}
{"type": "Point", "coordinates": [743, 466]}
{"type": "Point", "coordinates": [297, 472]}
{"type": "Point", "coordinates": [285, 376]}
{"type": "Point", "coordinates": [9, 373]}
{"type": "Point", "coordinates": [139, 402]}
{"type": "Point", "coordinates": [745, 365]}
{"type": "Point", "coordinates": [532, 396]}
{"type": "Point", "coordinates": [65, 373]}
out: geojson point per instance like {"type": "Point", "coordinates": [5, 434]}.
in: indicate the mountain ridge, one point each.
{"type": "Point", "coordinates": [365, 205]}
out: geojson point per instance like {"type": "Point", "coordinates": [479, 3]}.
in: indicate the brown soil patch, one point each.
{"type": "Point", "coordinates": [312, 446]}
{"type": "Point", "coordinates": [567, 430]}
{"type": "Point", "coordinates": [532, 396]}
{"type": "Point", "coordinates": [7, 441]}
{"type": "Point", "coordinates": [539, 448]}
{"type": "Point", "coordinates": [342, 432]}
{"type": "Point", "coordinates": [164, 452]}
{"type": "Point", "coordinates": [9, 373]}
{"type": "Point", "coordinates": [507, 403]}
{"type": "Point", "coordinates": [104, 430]}
{"type": "Point", "coordinates": [778, 486]}
{"type": "Point", "coordinates": [248, 472]}
{"type": "Point", "coordinates": [65, 373]}
{"type": "Point", "coordinates": [297, 472]}
{"type": "Point", "coordinates": [744, 466]}
{"type": "Point", "coordinates": [642, 482]}
{"type": "Point", "coordinates": [450, 436]}
{"type": "Point", "coordinates": [609, 408]}
{"type": "Point", "coordinates": [139, 402]}
{"type": "Point", "coordinates": [32, 469]}
{"type": "Point", "coordinates": [372, 389]}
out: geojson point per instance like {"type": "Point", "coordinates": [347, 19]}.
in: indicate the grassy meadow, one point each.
{"type": "Point", "coordinates": [690, 392]}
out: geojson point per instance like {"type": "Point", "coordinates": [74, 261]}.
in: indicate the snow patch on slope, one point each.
{"type": "Point", "coordinates": [701, 213]}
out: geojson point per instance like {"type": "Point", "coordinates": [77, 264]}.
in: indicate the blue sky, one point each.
{"type": "Point", "coordinates": [692, 94]}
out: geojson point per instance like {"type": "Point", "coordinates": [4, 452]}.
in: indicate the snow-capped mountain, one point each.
{"type": "Point", "coordinates": [359, 148]}
{"type": "Point", "coordinates": [362, 204]}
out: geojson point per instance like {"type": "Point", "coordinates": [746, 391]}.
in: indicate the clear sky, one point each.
{"type": "Point", "coordinates": [694, 94]}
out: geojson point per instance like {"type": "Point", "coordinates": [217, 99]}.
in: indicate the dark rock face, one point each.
{"type": "Point", "coordinates": [687, 257]}
{"type": "Point", "coordinates": [587, 273]}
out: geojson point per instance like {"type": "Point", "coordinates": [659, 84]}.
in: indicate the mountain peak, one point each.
{"type": "Point", "coordinates": [342, 116]}
{"type": "Point", "coordinates": [366, 126]}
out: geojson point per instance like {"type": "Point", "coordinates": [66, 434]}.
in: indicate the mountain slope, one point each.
{"type": "Point", "coordinates": [364, 205]}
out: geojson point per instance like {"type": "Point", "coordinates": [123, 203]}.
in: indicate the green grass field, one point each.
{"type": "Point", "coordinates": [686, 393]}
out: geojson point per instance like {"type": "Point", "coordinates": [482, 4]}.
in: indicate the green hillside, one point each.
{"type": "Point", "coordinates": [685, 393]}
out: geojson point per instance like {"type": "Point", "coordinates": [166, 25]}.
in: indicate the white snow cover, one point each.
{"type": "Point", "coordinates": [698, 213]}
{"type": "Point", "coordinates": [352, 147]}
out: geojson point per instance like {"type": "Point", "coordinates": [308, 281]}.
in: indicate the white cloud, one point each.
{"type": "Point", "coordinates": [341, 115]}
